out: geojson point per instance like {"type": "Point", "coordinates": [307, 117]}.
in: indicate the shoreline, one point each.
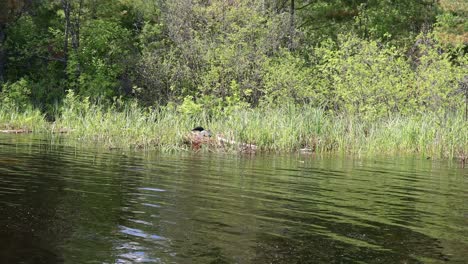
{"type": "Point", "coordinates": [303, 129]}
{"type": "Point", "coordinates": [67, 140]}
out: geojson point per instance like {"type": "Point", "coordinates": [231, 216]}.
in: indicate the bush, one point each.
{"type": "Point", "coordinates": [371, 80]}
{"type": "Point", "coordinates": [16, 95]}
{"type": "Point", "coordinates": [287, 79]}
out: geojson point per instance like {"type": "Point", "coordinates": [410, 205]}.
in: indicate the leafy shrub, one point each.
{"type": "Point", "coordinates": [189, 107]}
{"type": "Point", "coordinates": [371, 80]}
{"type": "Point", "coordinates": [287, 79]}
{"type": "Point", "coordinates": [16, 95]}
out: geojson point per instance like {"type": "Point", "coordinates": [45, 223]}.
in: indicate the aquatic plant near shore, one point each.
{"type": "Point", "coordinates": [278, 129]}
{"type": "Point", "coordinates": [26, 120]}
{"type": "Point", "coordinates": [273, 129]}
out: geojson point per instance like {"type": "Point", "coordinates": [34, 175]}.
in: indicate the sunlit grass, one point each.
{"type": "Point", "coordinates": [31, 120]}
{"type": "Point", "coordinates": [285, 129]}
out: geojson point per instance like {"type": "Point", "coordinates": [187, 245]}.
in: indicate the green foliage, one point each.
{"type": "Point", "coordinates": [451, 25]}
{"type": "Point", "coordinates": [15, 108]}
{"type": "Point", "coordinates": [162, 77]}
{"type": "Point", "coordinates": [74, 107]}
{"type": "Point", "coordinates": [15, 96]}
{"type": "Point", "coordinates": [437, 81]}
{"type": "Point", "coordinates": [367, 79]}
{"type": "Point", "coordinates": [398, 21]}
{"type": "Point", "coordinates": [233, 53]}
{"type": "Point", "coordinates": [233, 63]}
{"type": "Point", "coordinates": [25, 45]}
{"type": "Point", "coordinates": [100, 59]}
{"type": "Point", "coordinates": [189, 107]}
{"type": "Point", "coordinates": [215, 50]}
{"type": "Point", "coordinates": [287, 79]}
{"type": "Point", "coordinates": [29, 119]}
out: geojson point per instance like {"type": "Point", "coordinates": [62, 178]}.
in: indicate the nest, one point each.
{"type": "Point", "coordinates": [196, 140]}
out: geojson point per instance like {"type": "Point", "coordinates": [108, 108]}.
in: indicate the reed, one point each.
{"type": "Point", "coordinates": [272, 129]}
{"type": "Point", "coordinates": [28, 120]}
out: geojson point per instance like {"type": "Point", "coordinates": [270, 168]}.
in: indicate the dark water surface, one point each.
{"type": "Point", "coordinates": [60, 204]}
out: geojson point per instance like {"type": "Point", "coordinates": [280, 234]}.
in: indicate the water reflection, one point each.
{"type": "Point", "coordinates": [62, 204]}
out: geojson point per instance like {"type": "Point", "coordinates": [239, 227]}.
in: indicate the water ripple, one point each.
{"type": "Point", "coordinates": [96, 205]}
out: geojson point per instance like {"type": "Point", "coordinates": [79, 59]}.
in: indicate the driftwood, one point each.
{"type": "Point", "coordinates": [15, 131]}
{"type": "Point", "coordinates": [243, 147]}
{"type": "Point", "coordinates": [198, 139]}
{"type": "Point", "coordinates": [62, 130]}
{"type": "Point", "coordinates": [22, 131]}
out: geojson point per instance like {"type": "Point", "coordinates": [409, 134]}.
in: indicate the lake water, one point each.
{"type": "Point", "coordinates": [62, 204]}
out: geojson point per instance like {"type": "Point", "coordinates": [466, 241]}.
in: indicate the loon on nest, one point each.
{"type": "Point", "coordinates": [202, 131]}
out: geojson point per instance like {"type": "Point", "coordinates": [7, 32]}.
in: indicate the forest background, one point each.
{"type": "Point", "coordinates": [351, 75]}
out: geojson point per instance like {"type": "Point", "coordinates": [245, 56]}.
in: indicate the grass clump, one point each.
{"type": "Point", "coordinates": [28, 120]}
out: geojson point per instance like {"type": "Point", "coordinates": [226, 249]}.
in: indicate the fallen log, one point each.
{"type": "Point", "coordinates": [15, 131]}
{"type": "Point", "coordinates": [62, 130]}
{"type": "Point", "coordinates": [243, 147]}
{"type": "Point", "coordinates": [197, 139]}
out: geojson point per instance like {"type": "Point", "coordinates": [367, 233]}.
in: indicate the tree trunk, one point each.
{"type": "Point", "coordinates": [73, 15]}
{"type": "Point", "coordinates": [66, 10]}
{"type": "Point", "coordinates": [76, 28]}
{"type": "Point", "coordinates": [291, 26]}
{"type": "Point", "coordinates": [2, 55]}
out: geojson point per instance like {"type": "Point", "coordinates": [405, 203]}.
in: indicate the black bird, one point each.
{"type": "Point", "coordinates": [202, 131]}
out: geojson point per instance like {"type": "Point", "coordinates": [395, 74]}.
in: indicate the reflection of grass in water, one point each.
{"type": "Point", "coordinates": [283, 129]}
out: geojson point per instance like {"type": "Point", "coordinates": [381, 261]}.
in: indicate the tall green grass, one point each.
{"type": "Point", "coordinates": [284, 129]}
{"type": "Point", "coordinates": [29, 119]}
{"type": "Point", "coordinates": [294, 128]}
